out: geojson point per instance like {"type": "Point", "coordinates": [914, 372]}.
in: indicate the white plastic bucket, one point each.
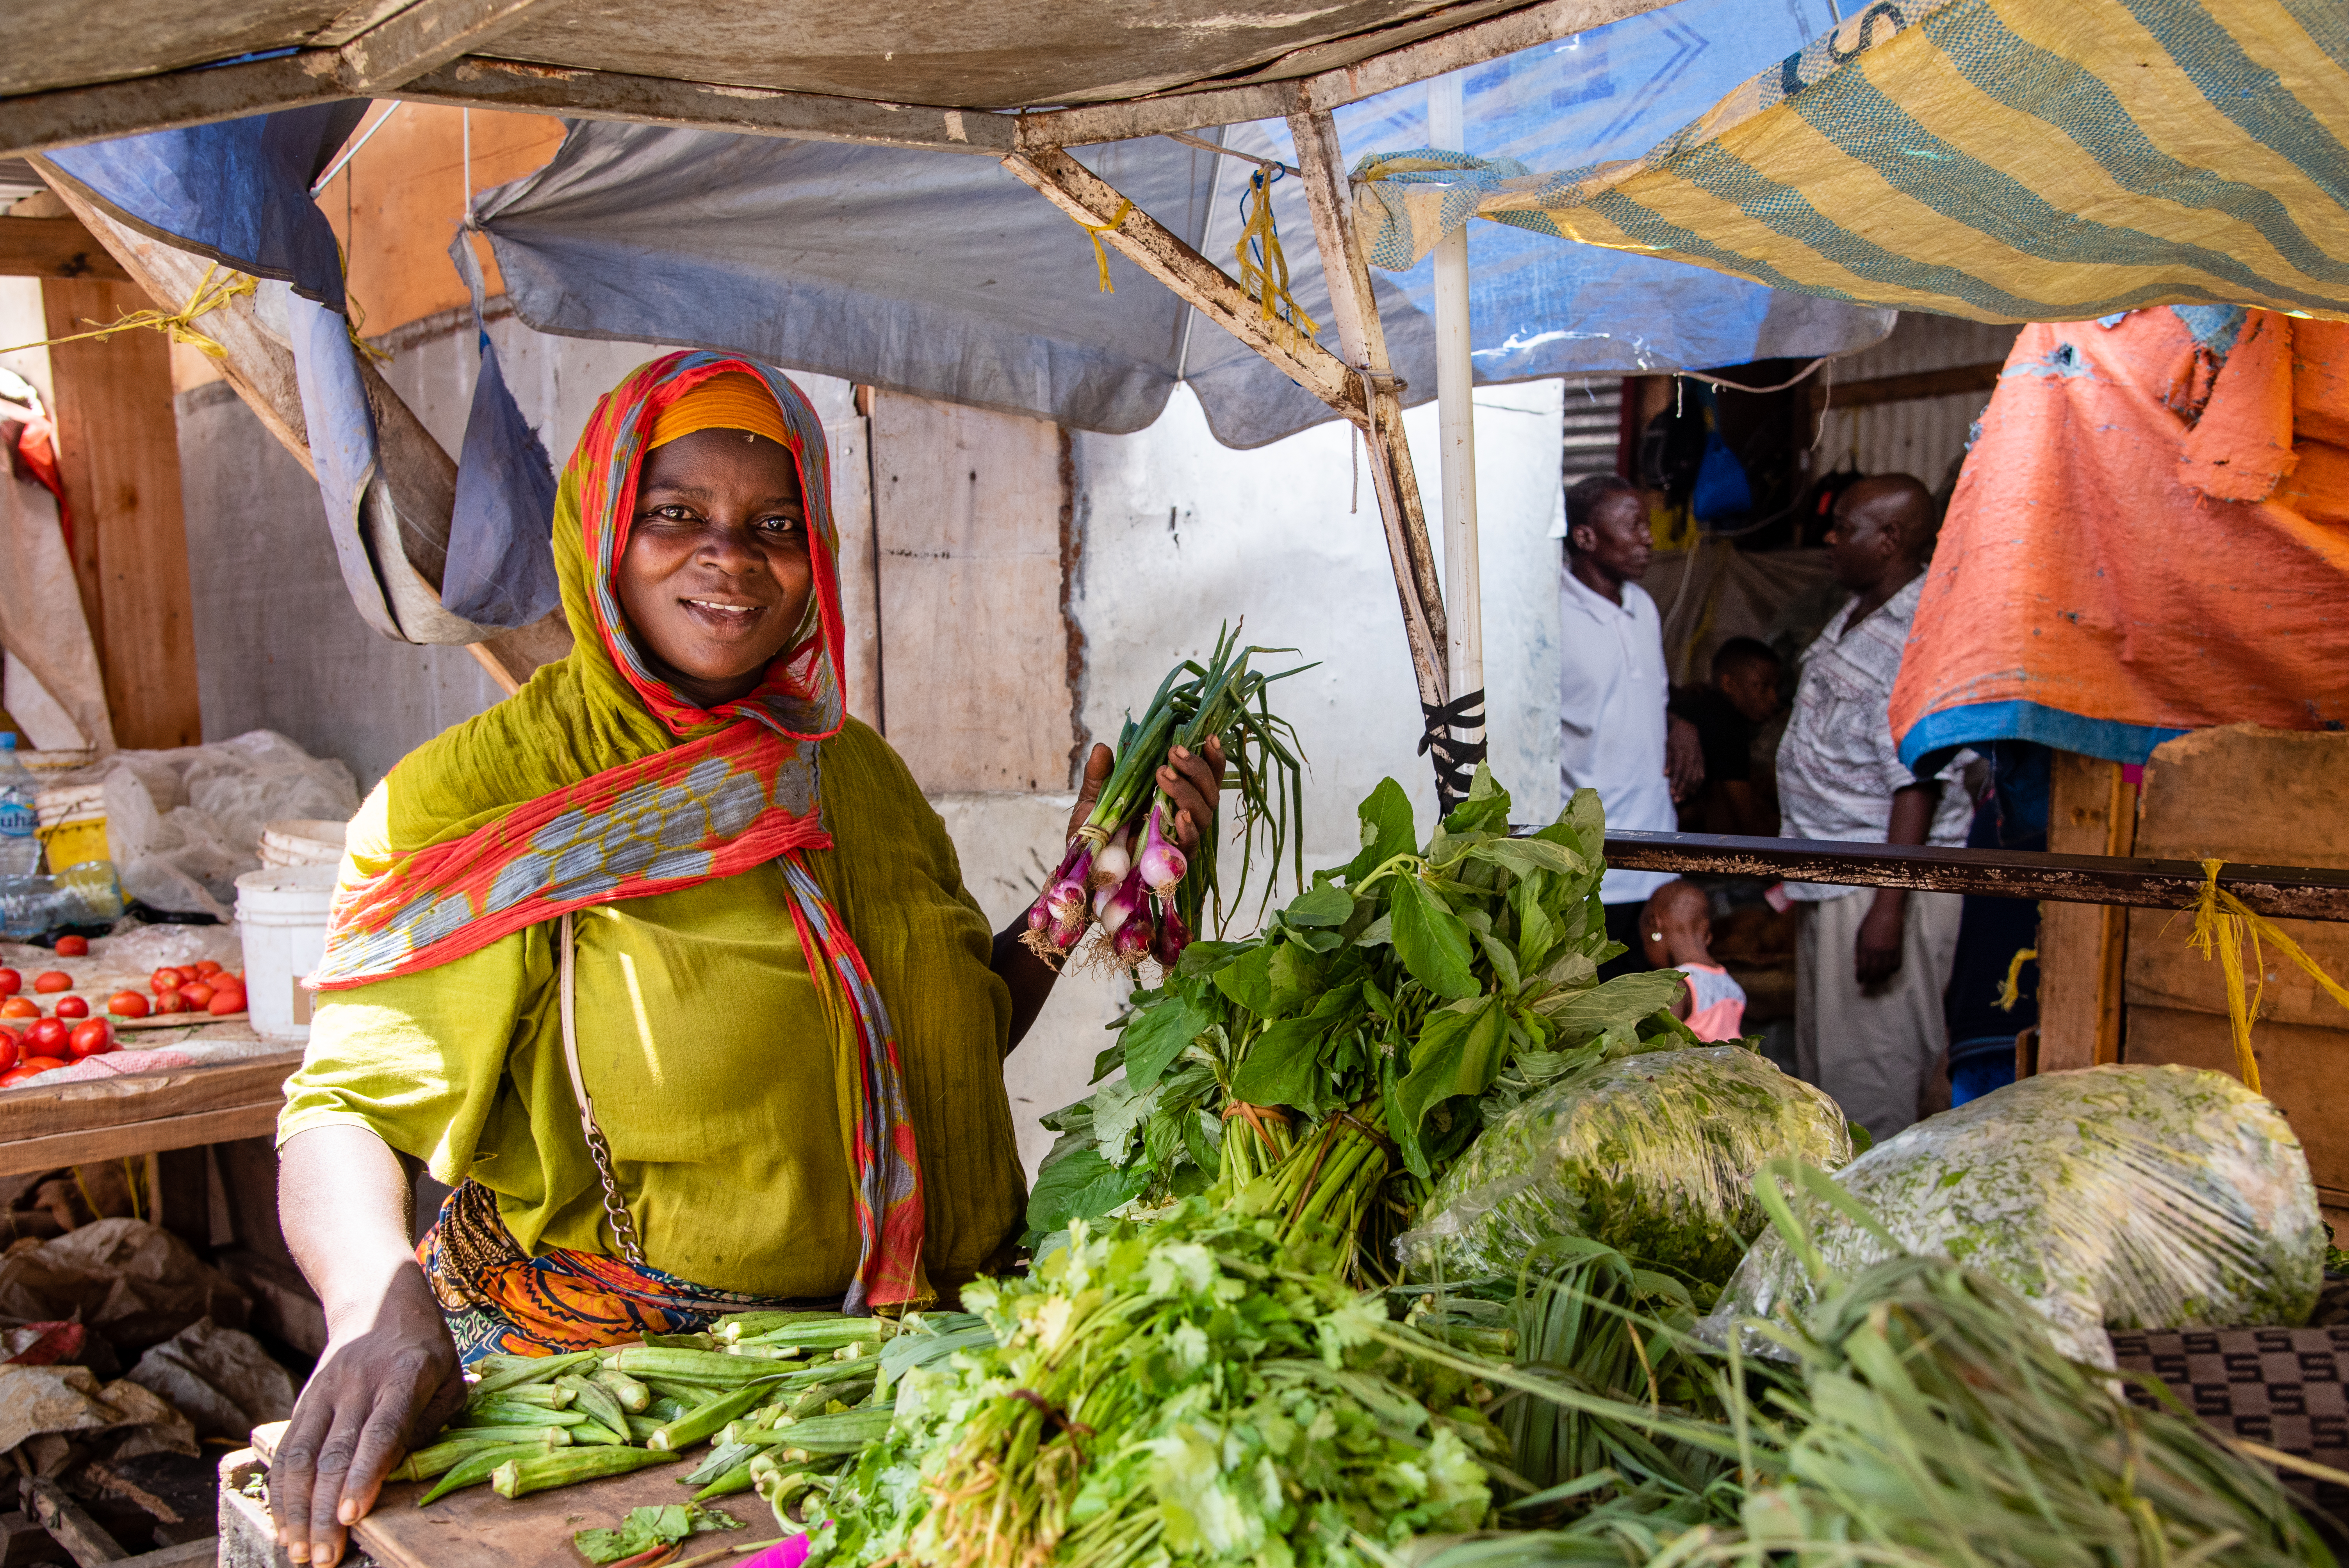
{"type": "Point", "coordinates": [302, 842]}
{"type": "Point", "coordinates": [283, 912]}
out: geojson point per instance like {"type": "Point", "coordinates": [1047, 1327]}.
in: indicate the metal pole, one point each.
{"type": "Point", "coordinates": [1456, 424]}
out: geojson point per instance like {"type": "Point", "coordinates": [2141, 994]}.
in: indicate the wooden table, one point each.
{"type": "Point", "coordinates": [476, 1528]}
{"type": "Point", "coordinates": [43, 1128]}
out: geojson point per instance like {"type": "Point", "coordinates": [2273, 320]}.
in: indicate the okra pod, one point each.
{"type": "Point", "coordinates": [545, 1436]}
{"type": "Point", "coordinates": [744, 1325]}
{"type": "Point", "coordinates": [514, 1371]}
{"type": "Point", "coordinates": [679, 1342]}
{"type": "Point", "coordinates": [521, 1476]}
{"type": "Point", "coordinates": [474, 1469]}
{"type": "Point", "coordinates": [643, 1427]}
{"type": "Point", "coordinates": [437, 1458]}
{"type": "Point", "coordinates": [665, 1408]}
{"type": "Point", "coordinates": [633, 1396]}
{"type": "Point", "coordinates": [503, 1413]}
{"type": "Point", "coordinates": [842, 1434]}
{"type": "Point", "coordinates": [682, 1394]}
{"type": "Point", "coordinates": [598, 1402]}
{"type": "Point", "coordinates": [552, 1395]}
{"type": "Point", "coordinates": [688, 1366]}
{"type": "Point", "coordinates": [707, 1418]}
{"type": "Point", "coordinates": [727, 1485]}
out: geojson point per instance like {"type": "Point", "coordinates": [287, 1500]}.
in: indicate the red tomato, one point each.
{"type": "Point", "coordinates": [196, 995]}
{"type": "Point", "coordinates": [186, 972]}
{"type": "Point", "coordinates": [72, 1008]}
{"type": "Point", "coordinates": [9, 1050]}
{"type": "Point", "coordinates": [167, 1000]}
{"type": "Point", "coordinates": [28, 1067]}
{"type": "Point", "coordinates": [228, 999]}
{"type": "Point", "coordinates": [15, 1075]}
{"type": "Point", "coordinates": [73, 946]}
{"type": "Point", "coordinates": [10, 982]}
{"type": "Point", "coordinates": [163, 980]}
{"type": "Point", "coordinates": [208, 968]}
{"type": "Point", "coordinates": [47, 1038]}
{"type": "Point", "coordinates": [94, 1038]}
{"type": "Point", "coordinates": [127, 1005]}
{"type": "Point", "coordinates": [49, 980]}
{"type": "Point", "coordinates": [20, 1007]}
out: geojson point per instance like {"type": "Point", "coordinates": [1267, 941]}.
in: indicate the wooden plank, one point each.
{"type": "Point", "coordinates": [425, 36]}
{"type": "Point", "coordinates": [1362, 340]}
{"type": "Point", "coordinates": [54, 248]}
{"type": "Point", "coordinates": [43, 1111]}
{"type": "Point", "coordinates": [851, 445]}
{"type": "Point", "coordinates": [55, 1152]}
{"type": "Point", "coordinates": [706, 106]}
{"type": "Point", "coordinates": [478, 1529]}
{"type": "Point", "coordinates": [966, 508]}
{"type": "Point", "coordinates": [69, 117]}
{"type": "Point", "coordinates": [83, 1539]}
{"type": "Point", "coordinates": [1943, 383]}
{"type": "Point", "coordinates": [2081, 879]}
{"type": "Point", "coordinates": [2091, 811]}
{"type": "Point", "coordinates": [118, 455]}
{"type": "Point", "coordinates": [1156, 250]}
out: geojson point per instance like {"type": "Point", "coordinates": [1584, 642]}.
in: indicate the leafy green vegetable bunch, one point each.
{"type": "Point", "coordinates": [1402, 988]}
{"type": "Point", "coordinates": [1182, 1392]}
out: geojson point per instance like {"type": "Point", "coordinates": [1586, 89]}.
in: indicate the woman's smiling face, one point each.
{"type": "Point", "coordinates": [717, 573]}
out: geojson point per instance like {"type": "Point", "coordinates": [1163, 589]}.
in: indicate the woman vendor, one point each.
{"type": "Point", "coordinates": [663, 964]}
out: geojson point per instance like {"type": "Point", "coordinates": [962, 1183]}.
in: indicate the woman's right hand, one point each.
{"type": "Point", "coordinates": [389, 1377]}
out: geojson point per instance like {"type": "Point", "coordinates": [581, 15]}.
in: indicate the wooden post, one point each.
{"type": "Point", "coordinates": [119, 456]}
{"type": "Point", "coordinates": [1363, 343]}
{"type": "Point", "coordinates": [2092, 810]}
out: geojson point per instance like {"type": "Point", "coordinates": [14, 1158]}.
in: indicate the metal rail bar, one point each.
{"type": "Point", "coordinates": [2298, 893]}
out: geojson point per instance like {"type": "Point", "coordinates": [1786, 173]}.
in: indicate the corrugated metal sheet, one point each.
{"type": "Point", "coordinates": [1592, 428]}
{"type": "Point", "coordinates": [1921, 436]}
{"type": "Point", "coordinates": [1921, 342]}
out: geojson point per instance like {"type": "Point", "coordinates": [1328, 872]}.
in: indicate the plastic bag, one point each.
{"type": "Point", "coordinates": [220, 1378]}
{"type": "Point", "coordinates": [183, 825]}
{"type": "Point", "coordinates": [2114, 1197]}
{"type": "Point", "coordinates": [137, 949]}
{"type": "Point", "coordinates": [1654, 1153]}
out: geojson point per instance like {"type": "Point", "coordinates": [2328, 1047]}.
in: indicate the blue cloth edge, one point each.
{"type": "Point", "coordinates": [2110, 738]}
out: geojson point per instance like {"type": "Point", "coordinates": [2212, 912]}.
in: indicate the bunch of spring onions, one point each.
{"type": "Point", "coordinates": [1123, 870]}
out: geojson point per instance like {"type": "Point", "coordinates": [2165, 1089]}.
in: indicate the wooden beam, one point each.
{"type": "Point", "coordinates": [1943, 383]}
{"type": "Point", "coordinates": [1158, 250]}
{"type": "Point", "coordinates": [70, 117]}
{"type": "Point", "coordinates": [1362, 340]}
{"type": "Point", "coordinates": [424, 36]}
{"type": "Point", "coordinates": [2092, 810]}
{"type": "Point", "coordinates": [261, 368]}
{"type": "Point", "coordinates": [85, 1539]}
{"type": "Point", "coordinates": [119, 456]}
{"type": "Point", "coordinates": [2073, 881]}
{"type": "Point", "coordinates": [705, 106]}
{"type": "Point", "coordinates": [54, 248]}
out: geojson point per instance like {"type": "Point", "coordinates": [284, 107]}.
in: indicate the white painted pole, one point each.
{"type": "Point", "coordinates": [1457, 423]}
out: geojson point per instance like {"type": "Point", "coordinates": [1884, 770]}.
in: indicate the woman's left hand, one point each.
{"type": "Point", "coordinates": [1192, 781]}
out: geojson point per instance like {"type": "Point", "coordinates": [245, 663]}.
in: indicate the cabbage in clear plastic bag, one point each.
{"type": "Point", "coordinates": [1652, 1153]}
{"type": "Point", "coordinates": [2115, 1197]}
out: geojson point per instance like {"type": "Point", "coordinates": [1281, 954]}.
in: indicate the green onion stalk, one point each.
{"type": "Point", "coordinates": [1322, 1191]}
{"type": "Point", "coordinates": [1123, 870]}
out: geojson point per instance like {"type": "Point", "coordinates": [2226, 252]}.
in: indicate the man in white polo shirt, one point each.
{"type": "Point", "coordinates": [1614, 735]}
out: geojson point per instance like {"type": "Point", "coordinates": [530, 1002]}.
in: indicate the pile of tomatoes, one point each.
{"type": "Point", "coordinates": [70, 1034]}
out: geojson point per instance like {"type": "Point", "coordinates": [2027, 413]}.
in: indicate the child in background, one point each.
{"type": "Point", "coordinates": [1676, 929]}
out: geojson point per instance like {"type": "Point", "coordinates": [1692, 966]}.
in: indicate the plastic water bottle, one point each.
{"type": "Point", "coordinates": [86, 894]}
{"type": "Point", "coordinates": [20, 848]}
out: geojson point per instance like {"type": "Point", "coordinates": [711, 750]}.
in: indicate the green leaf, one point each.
{"type": "Point", "coordinates": [1295, 979]}
{"type": "Point", "coordinates": [1523, 857]}
{"type": "Point", "coordinates": [1084, 1186]}
{"type": "Point", "coordinates": [1328, 905]}
{"type": "Point", "coordinates": [1504, 961]}
{"type": "Point", "coordinates": [1158, 1035]}
{"type": "Point", "coordinates": [1487, 809]}
{"type": "Point", "coordinates": [1623, 1000]}
{"type": "Point", "coordinates": [1537, 934]}
{"type": "Point", "coordinates": [1247, 980]}
{"type": "Point", "coordinates": [1388, 830]}
{"type": "Point", "coordinates": [1588, 819]}
{"type": "Point", "coordinates": [1457, 1052]}
{"type": "Point", "coordinates": [1278, 1069]}
{"type": "Point", "coordinates": [1118, 1108]}
{"type": "Point", "coordinates": [1432, 941]}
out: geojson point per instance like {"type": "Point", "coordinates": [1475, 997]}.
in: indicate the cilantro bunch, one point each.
{"type": "Point", "coordinates": [1394, 1003]}
{"type": "Point", "coordinates": [1182, 1391]}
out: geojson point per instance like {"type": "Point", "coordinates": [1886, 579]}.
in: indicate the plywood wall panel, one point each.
{"type": "Point", "coordinates": [967, 509]}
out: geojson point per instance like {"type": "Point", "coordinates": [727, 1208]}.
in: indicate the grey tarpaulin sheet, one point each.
{"type": "Point", "coordinates": [939, 273]}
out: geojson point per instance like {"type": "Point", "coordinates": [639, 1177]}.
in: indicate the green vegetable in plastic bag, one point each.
{"type": "Point", "coordinates": [1652, 1153]}
{"type": "Point", "coordinates": [2116, 1197]}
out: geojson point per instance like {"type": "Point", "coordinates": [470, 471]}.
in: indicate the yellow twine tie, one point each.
{"type": "Point", "coordinates": [2222, 921]}
{"type": "Point", "coordinates": [177, 324]}
{"type": "Point", "coordinates": [2011, 992]}
{"type": "Point", "coordinates": [1101, 253]}
{"type": "Point", "coordinates": [1267, 283]}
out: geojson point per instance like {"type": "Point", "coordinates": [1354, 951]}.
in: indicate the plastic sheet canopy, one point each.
{"type": "Point", "coordinates": [2001, 160]}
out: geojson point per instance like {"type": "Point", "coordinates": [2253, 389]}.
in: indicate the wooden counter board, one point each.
{"type": "Point", "coordinates": [476, 1528]}
{"type": "Point", "coordinates": [42, 1128]}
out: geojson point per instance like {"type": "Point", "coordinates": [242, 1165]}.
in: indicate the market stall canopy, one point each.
{"type": "Point", "coordinates": [2147, 538]}
{"type": "Point", "coordinates": [941, 275]}
{"type": "Point", "coordinates": [2000, 159]}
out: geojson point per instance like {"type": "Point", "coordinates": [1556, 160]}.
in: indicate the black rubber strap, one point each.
{"type": "Point", "coordinates": [1455, 760]}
